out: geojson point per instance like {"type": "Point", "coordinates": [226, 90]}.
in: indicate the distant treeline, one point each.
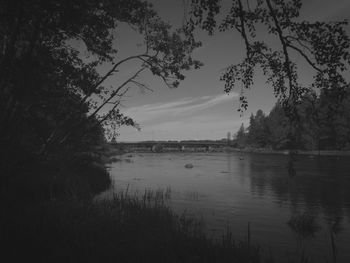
{"type": "Point", "coordinates": [320, 124]}
{"type": "Point", "coordinates": [185, 141]}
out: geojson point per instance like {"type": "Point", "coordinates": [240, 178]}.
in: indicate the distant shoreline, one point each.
{"type": "Point", "coordinates": [298, 152]}
{"type": "Point", "coordinates": [113, 151]}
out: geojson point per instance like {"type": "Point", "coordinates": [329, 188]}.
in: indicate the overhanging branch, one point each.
{"type": "Point", "coordinates": [304, 56]}
{"type": "Point", "coordinates": [116, 92]}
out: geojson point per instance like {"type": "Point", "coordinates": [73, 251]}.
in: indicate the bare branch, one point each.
{"type": "Point", "coordinates": [116, 92]}
{"type": "Point", "coordinates": [141, 85]}
{"type": "Point", "coordinates": [284, 46]}
{"type": "Point", "coordinates": [305, 56]}
{"type": "Point", "coordinates": [165, 79]}
{"type": "Point", "coordinates": [114, 107]}
{"type": "Point", "coordinates": [300, 43]}
{"type": "Point", "coordinates": [110, 73]}
{"type": "Point", "coordinates": [242, 29]}
{"type": "Point", "coordinates": [100, 121]}
{"type": "Point", "coordinates": [119, 99]}
{"type": "Point", "coordinates": [248, 5]}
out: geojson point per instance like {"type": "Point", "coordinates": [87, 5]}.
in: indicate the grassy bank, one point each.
{"type": "Point", "coordinates": [124, 229]}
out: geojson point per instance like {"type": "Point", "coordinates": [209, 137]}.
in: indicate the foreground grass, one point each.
{"type": "Point", "coordinates": [124, 229]}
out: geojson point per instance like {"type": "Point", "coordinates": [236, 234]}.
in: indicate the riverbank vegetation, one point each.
{"type": "Point", "coordinates": [123, 229]}
{"type": "Point", "coordinates": [323, 125]}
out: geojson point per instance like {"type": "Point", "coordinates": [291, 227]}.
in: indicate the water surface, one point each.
{"type": "Point", "coordinates": [230, 189]}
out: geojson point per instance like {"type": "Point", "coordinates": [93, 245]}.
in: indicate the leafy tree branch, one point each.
{"type": "Point", "coordinates": [323, 45]}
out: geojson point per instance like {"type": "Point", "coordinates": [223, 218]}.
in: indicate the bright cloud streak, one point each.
{"type": "Point", "coordinates": [182, 106]}
{"type": "Point", "coordinates": [199, 127]}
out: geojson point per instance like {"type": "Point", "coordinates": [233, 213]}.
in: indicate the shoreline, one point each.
{"type": "Point", "coordinates": [111, 152]}
{"type": "Point", "coordinates": [297, 152]}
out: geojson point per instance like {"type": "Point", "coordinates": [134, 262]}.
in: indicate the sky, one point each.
{"type": "Point", "coordinates": [199, 109]}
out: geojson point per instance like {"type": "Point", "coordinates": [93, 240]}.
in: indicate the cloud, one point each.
{"type": "Point", "coordinates": [196, 127]}
{"type": "Point", "coordinates": [207, 103]}
{"type": "Point", "coordinates": [162, 106]}
{"type": "Point", "coordinates": [176, 108]}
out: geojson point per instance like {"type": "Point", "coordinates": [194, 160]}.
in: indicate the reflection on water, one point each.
{"type": "Point", "coordinates": [309, 211]}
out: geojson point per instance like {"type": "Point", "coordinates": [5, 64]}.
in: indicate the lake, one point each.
{"type": "Point", "coordinates": [231, 189]}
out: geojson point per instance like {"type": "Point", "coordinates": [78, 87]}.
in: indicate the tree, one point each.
{"type": "Point", "coordinates": [258, 133]}
{"type": "Point", "coordinates": [51, 52]}
{"type": "Point", "coordinates": [228, 138]}
{"type": "Point", "coordinates": [241, 137]}
{"type": "Point", "coordinates": [278, 127]}
{"type": "Point", "coordinates": [324, 46]}
{"type": "Point", "coordinates": [334, 122]}
{"type": "Point", "coordinates": [54, 102]}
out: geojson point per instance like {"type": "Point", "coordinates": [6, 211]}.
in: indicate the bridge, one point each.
{"type": "Point", "coordinates": [173, 146]}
